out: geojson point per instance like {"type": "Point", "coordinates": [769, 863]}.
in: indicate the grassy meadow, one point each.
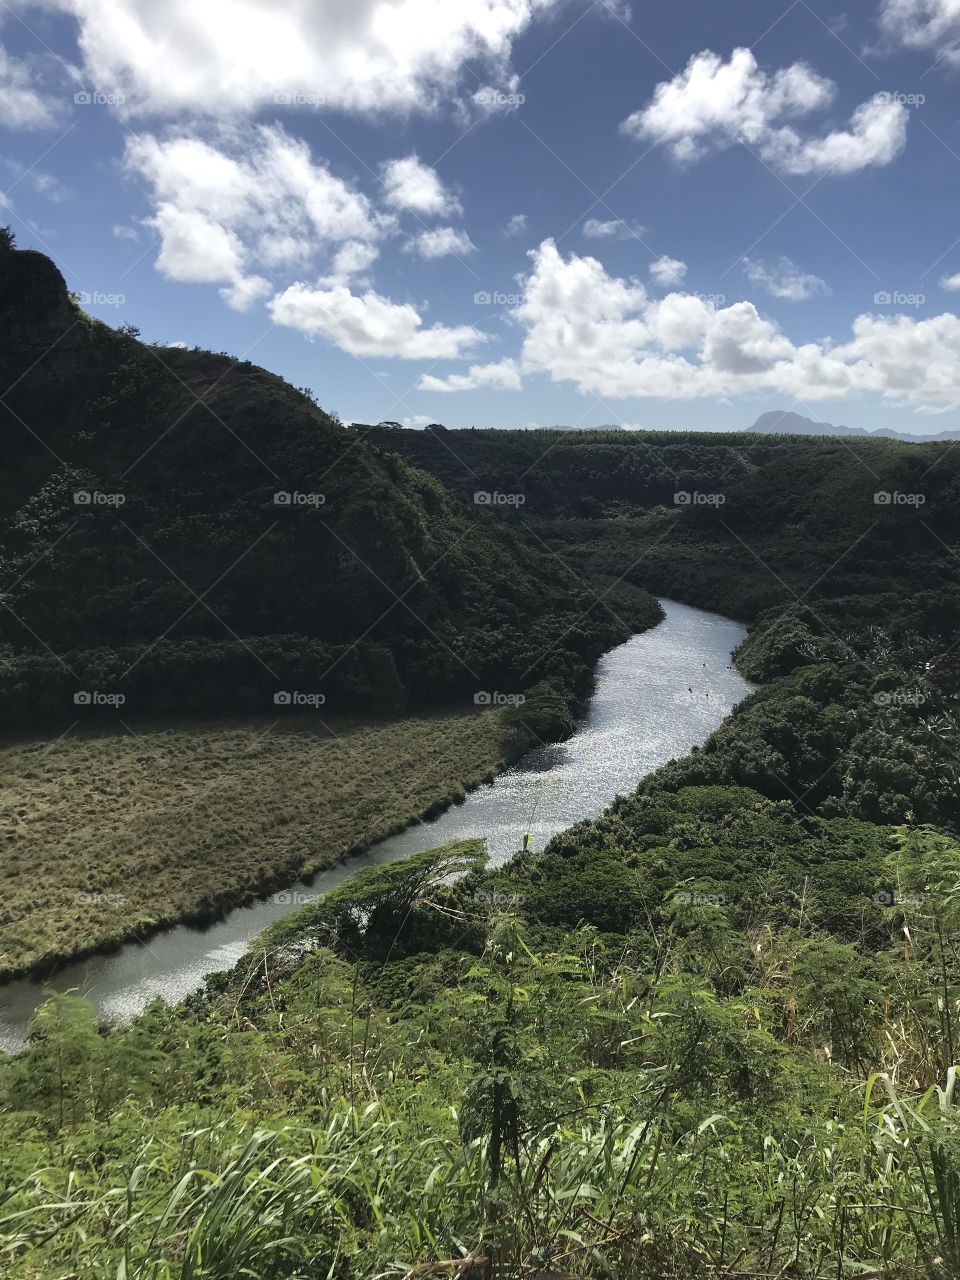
{"type": "Point", "coordinates": [108, 835]}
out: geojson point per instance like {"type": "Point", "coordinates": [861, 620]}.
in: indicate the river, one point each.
{"type": "Point", "coordinates": [659, 694]}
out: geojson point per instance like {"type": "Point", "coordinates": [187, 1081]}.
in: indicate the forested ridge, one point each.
{"type": "Point", "coordinates": [712, 1033]}
{"type": "Point", "coordinates": [191, 533]}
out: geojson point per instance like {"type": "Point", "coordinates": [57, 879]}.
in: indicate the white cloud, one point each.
{"type": "Point", "coordinates": [258, 198]}
{"type": "Point", "coordinates": [713, 104]}
{"type": "Point", "coordinates": [369, 325]}
{"type": "Point", "coordinates": [243, 293]}
{"type": "Point", "coordinates": [516, 226]}
{"type": "Point", "coordinates": [353, 258]}
{"type": "Point", "coordinates": [502, 376]}
{"type": "Point", "coordinates": [785, 280]}
{"type": "Point", "coordinates": [410, 184]}
{"type": "Point", "coordinates": [609, 338]}
{"type": "Point", "coordinates": [358, 55]}
{"type": "Point", "coordinates": [22, 106]}
{"type": "Point", "coordinates": [195, 248]}
{"type": "Point", "coordinates": [126, 233]}
{"type": "Point", "coordinates": [924, 24]}
{"type": "Point", "coordinates": [613, 229]}
{"type": "Point", "coordinates": [441, 242]}
{"type": "Point", "coordinates": [875, 137]}
{"type": "Point", "coordinates": [667, 272]}
{"type": "Point", "coordinates": [951, 283]}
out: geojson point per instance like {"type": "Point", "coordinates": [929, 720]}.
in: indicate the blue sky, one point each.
{"type": "Point", "coordinates": [511, 212]}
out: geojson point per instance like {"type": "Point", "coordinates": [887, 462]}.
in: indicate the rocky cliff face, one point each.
{"type": "Point", "coordinates": [43, 334]}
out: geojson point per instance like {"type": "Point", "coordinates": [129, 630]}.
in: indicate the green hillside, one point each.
{"type": "Point", "coordinates": [191, 533]}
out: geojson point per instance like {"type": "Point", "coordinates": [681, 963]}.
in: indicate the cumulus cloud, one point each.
{"type": "Point", "coordinates": [353, 258]}
{"type": "Point", "coordinates": [924, 24]}
{"type": "Point", "coordinates": [256, 199]}
{"type": "Point", "coordinates": [876, 135]}
{"type": "Point", "coordinates": [667, 272]}
{"type": "Point", "coordinates": [369, 324]}
{"type": "Point", "coordinates": [785, 280]}
{"type": "Point", "coordinates": [612, 229]}
{"type": "Point", "coordinates": [244, 292]}
{"type": "Point", "coordinates": [410, 184]}
{"type": "Point", "coordinates": [504, 375]}
{"type": "Point", "coordinates": [608, 337]}
{"type": "Point", "coordinates": [516, 226]}
{"type": "Point", "coordinates": [22, 105]}
{"type": "Point", "coordinates": [713, 104]}
{"type": "Point", "coordinates": [440, 242]}
{"type": "Point", "coordinates": [951, 283]}
{"type": "Point", "coordinates": [357, 55]}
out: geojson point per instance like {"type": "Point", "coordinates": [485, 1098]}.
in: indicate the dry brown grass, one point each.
{"type": "Point", "coordinates": [104, 836]}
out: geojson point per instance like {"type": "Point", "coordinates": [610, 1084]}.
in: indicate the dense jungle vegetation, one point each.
{"type": "Point", "coordinates": [711, 1034]}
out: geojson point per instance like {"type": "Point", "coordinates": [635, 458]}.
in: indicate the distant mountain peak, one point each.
{"type": "Point", "coordinates": [783, 422]}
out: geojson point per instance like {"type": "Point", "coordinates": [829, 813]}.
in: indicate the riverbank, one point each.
{"type": "Point", "coordinates": [656, 696]}
{"type": "Point", "coordinates": [113, 837]}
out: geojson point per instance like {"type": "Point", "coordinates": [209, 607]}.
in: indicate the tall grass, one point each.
{"type": "Point", "coordinates": [106, 836]}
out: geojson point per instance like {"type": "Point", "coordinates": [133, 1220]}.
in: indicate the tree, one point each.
{"type": "Point", "coordinates": [8, 240]}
